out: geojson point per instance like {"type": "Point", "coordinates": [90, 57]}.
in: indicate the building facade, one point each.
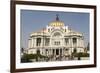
{"type": "Point", "coordinates": [56, 40]}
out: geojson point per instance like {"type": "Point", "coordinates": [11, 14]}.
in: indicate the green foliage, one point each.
{"type": "Point", "coordinates": [81, 54]}
{"type": "Point", "coordinates": [28, 57]}
{"type": "Point", "coordinates": [88, 46]}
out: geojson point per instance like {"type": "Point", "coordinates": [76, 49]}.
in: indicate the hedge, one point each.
{"type": "Point", "coordinates": [81, 54]}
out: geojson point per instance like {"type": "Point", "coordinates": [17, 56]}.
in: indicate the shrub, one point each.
{"type": "Point", "coordinates": [28, 57]}
{"type": "Point", "coordinates": [81, 54]}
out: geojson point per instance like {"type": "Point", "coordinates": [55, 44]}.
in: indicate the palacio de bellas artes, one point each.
{"type": "Point", "coordinates": [56, 42]}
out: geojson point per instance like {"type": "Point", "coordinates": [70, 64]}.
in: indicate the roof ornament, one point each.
{"type": "Point", "coordinates": [57, 17]}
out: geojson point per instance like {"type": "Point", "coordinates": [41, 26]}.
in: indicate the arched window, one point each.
{"type": "Point", "coordinates": [57, 34]}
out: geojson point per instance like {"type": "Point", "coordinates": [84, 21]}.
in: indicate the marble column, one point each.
{"type": "Point", "coordinates": [82, 42]}
{"type": "Point", "coordinates": [35, 42]}
{"type": "Point", "coordinates": [29, 42]}
{"type": "Point", "coordinates": [32, 42]}
{"type": "Point", "coordinates": [75, 45]}
{"type": "Point", "coordinates": [62, 52]}
{"type": "Point", "coordinates": [41, 42]}
{"type": "Point", "coordinates": [50, 51]}
{"type": "Point", "coordinates": [63, 42]}
{"type": "Point", "coordinates": [54, 51]}
{"type": "Point", "coordinates": [59, 51]}
{"type": "Point", "coordinates": [50, 44]}
{"type": "Point", "coordinates": [70, 42]}
{"type": "Point", "coordinates": [77, 42]}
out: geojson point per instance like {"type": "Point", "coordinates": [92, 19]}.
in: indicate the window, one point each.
{"type": "Point", "coordinates": [57, 51]}
{"type": "Point", "coordinates": [57, 43]}
{"type": "Point", "coordinates": [67, 49]}
{"type": "Point", "coordinates": [38, 51]}
{"type": "Point", "coordinates": [54, 43]}
{"type": "Point", "coordinates": [46, 51]}
{"type": "Point", "coordinates": [75, 50]}
{"type": "Point", "coordinates": [65, 30]}
{"type": "Point", "coordinates": [48, 30]}
{"type": "Point", "coordinates": [66, 41]}
{"type": "Point", "coordinates": [47, 40]}
{"type": "Point", "coordinates": [57, 34]}
{"type": "Point", "coordinates": [74, 40]}
{"type": "Point", "coordinates": [38, 42]}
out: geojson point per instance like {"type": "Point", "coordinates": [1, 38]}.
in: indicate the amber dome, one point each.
{"type": "Point", "coordinates": [56, 23]}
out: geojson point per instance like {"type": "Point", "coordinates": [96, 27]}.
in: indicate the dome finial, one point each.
{"type": "Point", "coordinates": [57, 17]}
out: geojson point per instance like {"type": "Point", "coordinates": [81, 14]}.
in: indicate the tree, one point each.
{"type": "Point", "coordinates": [88, 46]}
{"type": "Point", "coordinates": [26, 58]}
{"type": "Point", "coordinates": [80, 54]}
{"type": "Point", "coordinates": [29, 57]}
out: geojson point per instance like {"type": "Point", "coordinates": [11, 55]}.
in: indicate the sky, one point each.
{"type": "Point", "coordinates": [34, 20]}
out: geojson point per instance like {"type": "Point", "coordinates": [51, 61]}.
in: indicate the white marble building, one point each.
{"type": "Point", "coordinates": [56, 40]}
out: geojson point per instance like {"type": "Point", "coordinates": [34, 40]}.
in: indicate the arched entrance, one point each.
{"type": "Point", "coordinates": [57, 51]}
